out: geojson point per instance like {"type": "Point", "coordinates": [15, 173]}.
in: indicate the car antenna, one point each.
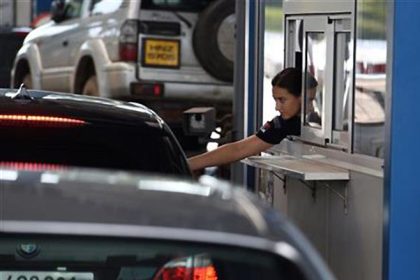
{"type": "Point", "coordinates": [22, 93]}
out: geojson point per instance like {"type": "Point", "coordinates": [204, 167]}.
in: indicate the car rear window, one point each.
{"type": "Point", "coordinates": [116, 147]}
{"type": "Point", "coordinates": [89, 258]}
{"type": "Point", "coordinates": [175, 5]}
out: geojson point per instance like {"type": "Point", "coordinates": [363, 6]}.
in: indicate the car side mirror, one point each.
{"type": "Point", "coordinates": [58, 10]}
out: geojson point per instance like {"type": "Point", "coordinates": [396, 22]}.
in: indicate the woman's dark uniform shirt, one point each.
{"type": "Point", "coordinates": [278, 128]}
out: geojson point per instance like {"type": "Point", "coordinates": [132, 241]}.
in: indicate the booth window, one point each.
{"type": "Point", "coordinates": [313, 33]}
{"type": "Point", "coordinates": [346, 111]}
{"type": "Point", "coordinates": [322, 47]}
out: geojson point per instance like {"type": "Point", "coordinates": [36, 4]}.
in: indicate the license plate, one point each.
{"type": "Point", "coordinates": [45, 275]}
{"type": "Point", "coordinates": [161, 53]}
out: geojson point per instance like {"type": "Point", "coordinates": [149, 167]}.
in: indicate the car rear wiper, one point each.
{"type": "Point", "coordinates": [22, 94]}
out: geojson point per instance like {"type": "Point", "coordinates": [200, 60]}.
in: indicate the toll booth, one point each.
{"type": "Point", "coordinates": [339, 181]}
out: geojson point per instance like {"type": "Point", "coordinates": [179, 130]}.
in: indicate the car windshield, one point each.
{"type": "Point", "coordinates": [175, 5]}
{"type": "Point", "coordinates": [110, 146]}
{"type": "Point", "coordinates": [89, 258]}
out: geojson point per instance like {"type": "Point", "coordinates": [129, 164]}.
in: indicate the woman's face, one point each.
{"type": "Point", "coordinates": [286, 103]}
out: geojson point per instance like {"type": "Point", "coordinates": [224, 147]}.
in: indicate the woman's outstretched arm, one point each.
{"type": "Point", "coordinates": [228, 153]}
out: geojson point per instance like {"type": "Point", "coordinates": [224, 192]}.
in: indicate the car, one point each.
{"type": "Point", "coordinates": [59, 129]}
{"type": "Point", "coordinates": [168, 55]}
{"type": "Point", "coordinates": [71, 224]}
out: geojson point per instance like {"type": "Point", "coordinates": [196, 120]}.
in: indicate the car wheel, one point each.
{"type": "Point", "coordinates": [91, 87]}
{"type": "Point", "coordinates": [27, 80]}
{"type": "Point", "coordinates": [213, 39]}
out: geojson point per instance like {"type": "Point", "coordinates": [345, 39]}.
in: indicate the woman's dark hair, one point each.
{"type": "Point", "coordinates": [291, 80]}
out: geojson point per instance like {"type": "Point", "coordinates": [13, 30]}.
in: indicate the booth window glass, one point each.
{"type": "Point", "coordinates": [342, 83]}
{"type": "Point", "coordinates": [370, 78]}
{"type": "Point", "coordinates": [314, 69]}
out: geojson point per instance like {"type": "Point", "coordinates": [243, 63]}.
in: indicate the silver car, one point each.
{"type": "Point", "coordinates": [168, 55]}
{"type": "Point", "coordinates": [90, 224]}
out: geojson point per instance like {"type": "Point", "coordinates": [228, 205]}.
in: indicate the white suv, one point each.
{"type": "Point", "coordinates": [167, 54]}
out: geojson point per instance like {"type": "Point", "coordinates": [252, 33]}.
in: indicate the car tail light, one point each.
{"type": "Point", "coordinates": [30, 166]}
{"type": "Point", "coordinates": [128, 52]}
{"type": "Point", "coordinates": [157, 90]}
{"type": "Point", "coordinates": [128, 40]}
{"type": "Point", "coordinates": [36, 120]}
{"type": "Point", "coordinates": [147, 90]}
{"type": "Point", "coordinates": [198, 267]}
{"type": "Point", "coordinates": [185, 273]}
{"type": "Point", "coordinates": [205, 273]}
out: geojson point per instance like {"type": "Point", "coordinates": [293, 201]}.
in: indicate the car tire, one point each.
{"type": "Point", "coordinates": [27, 80]}
{"type": "Point", "coordinates": [213, 39]}
{"type": "Point", "coordinates": [91, 86]}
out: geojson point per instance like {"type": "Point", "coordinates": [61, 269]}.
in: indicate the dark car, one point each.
{"type": "Point", "coordinates": [90, 224]}
{"type": "Point", "coordinates": [41, 128]}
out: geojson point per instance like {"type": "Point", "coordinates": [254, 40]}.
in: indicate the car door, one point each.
{"type": "Point", "coordinates": [58, 44]}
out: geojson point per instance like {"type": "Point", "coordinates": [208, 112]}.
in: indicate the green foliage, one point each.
{"type": "Point", "coordinates": [273, 18]}
{"type": "Point", "coordinates": [371, 19]}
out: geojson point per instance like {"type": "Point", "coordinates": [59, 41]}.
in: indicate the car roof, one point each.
{"type": "Point", "coordinates": [124, 198]}
{"type": "Point", "coordinates": [94, 110]}
{"type": "Point", "coordinates": [74, 195]}
{"type": "Point", "coordinates": [93, 202]}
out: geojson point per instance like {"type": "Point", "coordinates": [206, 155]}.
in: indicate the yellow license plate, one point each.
{"type": "Point", "coordinates": [161, 53]}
